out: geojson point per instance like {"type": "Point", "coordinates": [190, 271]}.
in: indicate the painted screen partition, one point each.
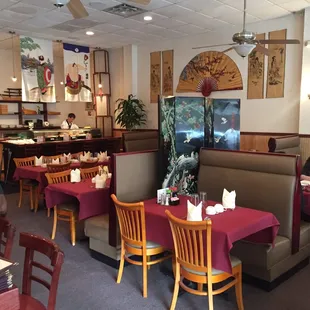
{"type": "Point", "coordinates": [185, 125]}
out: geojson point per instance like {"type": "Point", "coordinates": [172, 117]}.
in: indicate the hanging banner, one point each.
{"type": "Point", "coordinates": [37, 70]}
{"type": "Point", "coordinates": [77, 73]}
{"type": "Point", "coordinates": [167, 69]}
{"type": "Point", "coordinates": [155, 76]}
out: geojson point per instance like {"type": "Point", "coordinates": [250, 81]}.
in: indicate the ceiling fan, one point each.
{"type": "Point", "coordinates": [245, 41]}
{"type": "Point", "coordinates": [75, 7]}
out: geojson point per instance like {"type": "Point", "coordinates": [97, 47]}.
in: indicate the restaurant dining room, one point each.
{"type": "Point", "coordinates": [154, 154]}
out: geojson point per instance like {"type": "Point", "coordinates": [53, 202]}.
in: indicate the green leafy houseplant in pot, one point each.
{"type": "Point", "coordinates": [130, 113]}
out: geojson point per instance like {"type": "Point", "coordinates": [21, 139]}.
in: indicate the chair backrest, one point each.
{"type": "Point", "coordinates": [52, 157]}
{"type": "Point", "coordinates": [286, 144]}
{"type": "Point", "coordinates": [58, 177]}
{"type": "Point", "coordinates": [32, 244]}
{"type": "Point", "coordinates": [140, 141]}
{"type": "Point", "coordinates": [89, 164]}
{"type": "Point", "coordinates": [26, 161]}
{"type": "Point", "coordinates": [53, 168]}
{"type": "Point", "coordinates": [76, 155]}
{"type": "Point", "coordinates": [192, 243]}
{"type": "Point", "coordinates": [7, 233]}
{"type": "Point", "coordinates": [131, 218]}
{"type": "Point", "coordinates": [89, 173]}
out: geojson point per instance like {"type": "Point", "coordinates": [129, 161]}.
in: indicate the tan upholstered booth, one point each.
{"type": "Point", "coordinates": [285, 144]}
{"type": "Point", "coordinates": [133, 179]}
{"type": "Point", "coordinates": [268, 182]}
{"type": "Point", "coordinates": [140, 141]}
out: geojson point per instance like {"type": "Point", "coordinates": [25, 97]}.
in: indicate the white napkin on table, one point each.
{"type": "Point", "coordinates": [83, 157]}
{"type": "Point", "coordinates": [38, 161]}
{"type": "Point", "coordinates": [67, 157]}
{"type": "Point", "coordinates": [229, 199]}
{"type": "Point", "coordinates": [193, 212]}
{"type": "Point", "coordinates": [99, 180]}
{"type": "Point", "coordinates": [102, 156]}
{"type": "Point", "coordinates": [75, 176]}
{"type": "Point", "coordinates": [55, 161]}
{"type": "Point", "coordinates": [87, 154]}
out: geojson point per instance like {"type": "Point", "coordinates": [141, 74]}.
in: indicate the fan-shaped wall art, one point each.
{"type": "Point", "coordinates": [210, 71]}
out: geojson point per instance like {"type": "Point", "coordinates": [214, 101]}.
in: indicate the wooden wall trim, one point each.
{"type": "Point", "coordinates": [254, 133]}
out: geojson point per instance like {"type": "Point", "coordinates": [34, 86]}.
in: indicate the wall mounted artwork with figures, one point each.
{"type": "Point", "coordinates": [256, 70]}
{"type": "Point", "coordinates": [210, 71]}
{"type": "Point", "coordinates": [185, 125]}
{"type": "Point", "coordinates": [167, 69]}
{"type": "Point", "coordinates": [155, 76]}
{"type": "Point", "coordinates": [276, 66]}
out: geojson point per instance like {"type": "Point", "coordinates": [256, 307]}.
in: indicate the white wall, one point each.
{"type": "Point", "coordinates": [304, 121]}
{"type": "Point", "coordinates": [82, 118]}
{"type": "Point", "coordinates": [265, 115]}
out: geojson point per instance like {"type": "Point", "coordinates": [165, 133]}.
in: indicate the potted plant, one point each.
{"type": "Point", "coordinates": [130, 113]}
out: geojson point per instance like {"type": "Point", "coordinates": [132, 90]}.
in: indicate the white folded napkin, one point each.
{"type": "Point", "coordinates": [109, 175]}
{"type": "Point", "coordinates": [38, 161]}
{"type": "Point", "coordinates": [193, 212]}
{"type": "Point", "coordinates": [219, 208]}
{"type": "Point", "coordinates": [75, 176]}
{"type": "Point", "coordinates": [55, 161]}
{"type": "Point", "coordinates": [99, 181]}
{"type": "Point", "coordinates": [67, 157]}
{"type": "Point", "coordinates": [87, 154]}
{"type": "Point", "coordinates": [229, 199]}
{"type": "Point", "coordinates": [102, 156]}
{"type": "Point", "coordinates": [83, 157]}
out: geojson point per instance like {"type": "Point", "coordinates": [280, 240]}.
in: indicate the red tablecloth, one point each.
{"type": "Point", "coordinates": [38, 173]}
{"type": "Point", "coordinates": [227, 228]}
{"type": "Point", "coordinates": [92, 201]}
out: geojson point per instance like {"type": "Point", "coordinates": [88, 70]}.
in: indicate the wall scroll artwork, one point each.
{"type": "Point", "coordinates": [167, 73]}
{"type": "Point", "coordinates": [276, 66]}
{"type": "Point", "coordinates": [37, 70]}
{"type": "Point", "coordinates": [210, 71]}
{"type": "Point", "coordinates": [155, 76]}
{"type": "Point", "coordinates": [256, 69]}
{"type": "Point", "coordinates": [77, 73]}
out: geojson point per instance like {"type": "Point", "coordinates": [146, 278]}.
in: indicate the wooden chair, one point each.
{"type": "Point", "coordinates": [7, 233]}
{"type": "Point", "coordinates": [192, 245]}
{"type": "Point", "coordinates": [53, 168]}
{"type": "Point", "coordinates": [32, 244]}
{"type": "Point", "coordinates": [46, 158]}
{"type": "Point", "coordinates": [26, 184]}
{"type": "Point", "coordinates": [131, 220]}
{"type": "Point", "coordinates": [89, 173]}
{"type": "Point", "coordinates": [76, 155]}
{"type": "Point", "coordinates": [89, 164]}
{"type": "Point", "coordinates": [63, 212]}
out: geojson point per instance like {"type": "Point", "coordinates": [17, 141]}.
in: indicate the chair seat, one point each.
{"type": "Point", "coordinates": [68, 207]}
{"type": "Point", "coordinates": [234, 262]}
{"type": "Point", "coordinates": [149, 245]}
{"type": "Point", "coordinates": [30, 303]}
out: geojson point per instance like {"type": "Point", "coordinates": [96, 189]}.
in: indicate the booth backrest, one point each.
{"type": "Point", "coordinates": [262, 181]}
{"type": "Point", "coordinates": [286, 144]}
{"type": "Point", "coordinates": [140, 141]}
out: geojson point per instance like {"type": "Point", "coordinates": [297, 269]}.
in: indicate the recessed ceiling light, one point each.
{"type": "Point", "coordinates": [147, 17]}
{"type": "Point", "coordinates": [90, 33]}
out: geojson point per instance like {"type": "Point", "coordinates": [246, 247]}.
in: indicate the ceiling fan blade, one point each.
{"type": "Point", "coordinates": [207, 46]}
{"type": "Point", "coordinates": [279, 41]}
{"type": "Point", "coordinates": [144, 2]}
{"type": "Point", "coordinates": [227, 50]}
{"type": "Point", "coordinates": [262, 49]}
{"type": "Point", "coordinates": [77, 9]}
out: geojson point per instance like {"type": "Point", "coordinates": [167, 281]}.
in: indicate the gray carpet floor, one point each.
{"type": "Point", "coordinates": [89, 284]}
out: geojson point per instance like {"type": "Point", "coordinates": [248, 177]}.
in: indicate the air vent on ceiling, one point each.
{"type": "Point", "coordinates": [124, 10]}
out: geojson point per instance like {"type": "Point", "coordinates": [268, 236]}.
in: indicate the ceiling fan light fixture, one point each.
{"type": "Point", "coordinates": [147, 18]}
{"type": "Point", "coordinates": [244, 50]}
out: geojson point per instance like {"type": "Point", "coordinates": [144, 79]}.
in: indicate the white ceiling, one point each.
{"type": "Point", "coordinates": [171, 19]}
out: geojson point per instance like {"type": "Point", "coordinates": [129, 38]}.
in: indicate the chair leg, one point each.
{"type": "Point", "coordinates": [121, 263]}
{"type": "Point", "coordinates": [148, 259]}
{"type": "Point", "coordinates": [31, 197]}
{"type": "Point", "coordinates": [238, 288]}
{"type": "Point", "coordinates": [37, 197]}
{"type": "Point", "coordinates": [176, 287]}
{"type": "Point", "coordinates": [20, 193]}
{"type": "Point", "coordinates": [72, 228]}
{"type": "Point", "coordinates": [55, 223]}
{"type": "Point", "coordinates": [210, 293]}
{"type": "Point", "coordinates": [144, 267]}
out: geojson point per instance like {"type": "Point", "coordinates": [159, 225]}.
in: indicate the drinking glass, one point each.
{"type": "Point", "coordinates": [195, 199]}
{"type": "Point", "coordinates": [203, 198]}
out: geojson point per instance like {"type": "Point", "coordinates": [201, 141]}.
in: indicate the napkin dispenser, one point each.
{"type": "Point", "coordinates": [75, 176]}
{"type": "Point", "coordinates": [161, 192]}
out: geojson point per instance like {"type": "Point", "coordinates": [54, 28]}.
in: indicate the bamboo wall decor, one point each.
{"type": "Point", "coordinates": [210, 71]}
{"type": "Point", "coordinates": [167, 73]}
{"type": "Point", "coordinates": [276, 66]}
{"type": "Point", "coordinates": [155, 76]}
{"type": "Point", "coordinates": [256, 70]}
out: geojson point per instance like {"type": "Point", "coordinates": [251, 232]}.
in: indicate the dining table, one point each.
{"type": "Point", "coordinates": [37, 173]}
{"type": "Point", "coordinates": [227, 227]}
{"type": "Point", "coordinates": [92, 201]}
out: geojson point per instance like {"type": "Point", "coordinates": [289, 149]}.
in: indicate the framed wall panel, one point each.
{"type": "Point", "coordinates": [155, 76]}
{"type": "Point", "coordinates": [167, 69]}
